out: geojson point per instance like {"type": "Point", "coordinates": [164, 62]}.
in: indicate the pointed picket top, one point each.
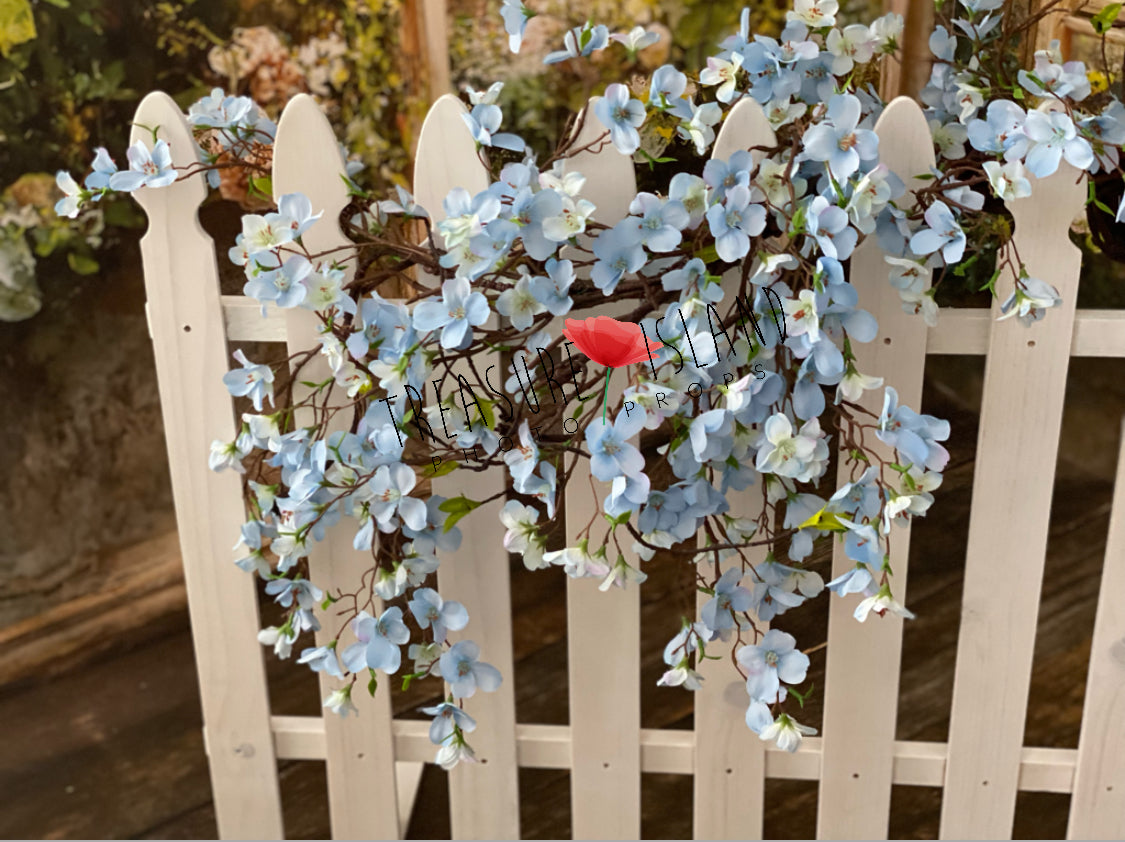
{"type": "Point", "coordinates": [611, 181]}
{"type": "Point", "coordinates": [447, 157]}
{"type": "Point", "coordinates": [307, 159]}
{"type": "Point", "coordinates": [745, 126]}
{"type": "Point", "coordinates": [159, 111]}
{"type": "Point", "coordinates": [906, 145]}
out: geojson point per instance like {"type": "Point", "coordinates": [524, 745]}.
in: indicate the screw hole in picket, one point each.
{"type": "Point", "coordinates": [887, 341]}
{"type": "Point", "coordinates": [187, 328]}
{"type": "Point", "coordinates": [984, 783]}
{"type": "Point", "coordinates": [1031, 343]}
{"type": "Point", "coordinates": [730, 771]}
{"type": "Point", "coordinates": [483, 761]}
{"type": "Point", "coordinates": [605, 765]}
{"type": "Point", "coordinates": [855, 775]}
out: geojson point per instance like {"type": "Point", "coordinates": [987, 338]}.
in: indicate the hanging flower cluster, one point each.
{"type": "Point", "coordinates": [738, 345]}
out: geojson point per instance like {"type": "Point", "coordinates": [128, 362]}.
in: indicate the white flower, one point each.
{"type": "Point", "coordinates": [920, 303]}
{"type": "Point", "coordinates": [340, 702]}
{"type": "Point", "coordinates": [571, 222]}
{"type": "Point", "coordinates": [787, 732]}
{"type": "Point", "coordinates": [802, 456]}
{"type": "Point", "coordinates": [281, 640]}
{"type": "Point", "coordinates": [881, 603]}
{"type": "Point", "coordinates": [853, 385]}
{"type": "Point", "coordinates": [682, 675]}
{"type": "Point", "coordinates": [1008, 181]}
{"type": "Point", "coordinates": [852, 45]}
{"type": "Point", "coordinates": [636, 39]}
{"type": "Point", "coordinates": [1030, 300]}
{"type": "Point", "coordinates": [949, 138]}
{"type": "Point", "coordinates": [814, 13]}
{"type": "Point", "coordinates": [801, 315]}
{"type": "Point", "coordinates": [452, 753]}
{"type": "Point", "coordinates": [577, 562]}
{"type": "Point", "coordinates": [523, 535]}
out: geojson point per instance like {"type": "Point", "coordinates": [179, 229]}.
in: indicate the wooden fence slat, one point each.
{"type": "Point", "coordinates": [362, 799]}
{"type": "Point", "coordinates": [484, 797]}
{"type": "Point", "coordinates": [861, 680]}
{"type": "Point", "coordinates": [1097, 810]}
{"type": "Point", "coordinates": [186, 323]}
{"type": "Point", "coordinates": [730, 760]}
{"type": "Point", "coordinates": [603, 629]}
{"type": "Point", "coordinates": [1021, 415]}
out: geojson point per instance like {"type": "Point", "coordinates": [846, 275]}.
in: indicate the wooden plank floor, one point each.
{"type": "Point", "coordinates": [112, 747]}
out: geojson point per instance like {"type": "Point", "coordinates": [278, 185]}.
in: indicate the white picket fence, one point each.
{"type": "Point", "coordinates": [374, 762]}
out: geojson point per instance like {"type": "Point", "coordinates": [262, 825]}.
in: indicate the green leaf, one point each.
{"type": "Point", "coordinates": [456, 508]}
{"type": "Point", "coordinates": [1103, 20]}
{"type": "Point", "coordinates": [445, 468]}
{"type": "Point", "coordinates": [81, 264]}
{"type": "Point", "coordinates": [373, 683]}
{"type": "Point", "coordinates": [707, 255]}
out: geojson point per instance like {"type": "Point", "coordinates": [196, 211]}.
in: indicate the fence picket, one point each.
{"type": "Point", "coordinates": [362, 797]}
{"type": "Point", "coordinates": [603, 628]}
{"type": "Point", "coordinates": [730, 760]}
{"type": "Point", "coordinates": [186, 323]}
{"type": "Point", "coordinates": [1097, 809]}
{"type": "Point", "coordinates": [484, 797]}
{"type": "Point", "coordinates": [861, 681]}
{"type": "Point", "coordinates": [1021, 415]}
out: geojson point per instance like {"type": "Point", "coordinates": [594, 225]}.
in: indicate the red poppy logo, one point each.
{"type": "Point", "coordinates": [608, 342]}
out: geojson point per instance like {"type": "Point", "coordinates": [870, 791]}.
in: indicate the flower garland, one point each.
{"type": "Point", "coordinates": [742, 383]}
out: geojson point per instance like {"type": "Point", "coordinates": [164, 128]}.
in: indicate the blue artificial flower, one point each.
{"type": "Point", "coordinates": [734, 222]}
{"type": "Point", "coordinates": [465, 674]}
{"type": "Point", "coordinates": [103, 170]}
{"type": "Point", "coordinates": [146, 169]}
{"type": "Point", "coordinates": [322, 659]}
{"type": "Point", "coordinates": [721, 175]}
{"type": "Point", "coordinates": [516, 16]}
{"type": "Point", "coordinates": [661, 221]}
{"type": "Point", "coordinates": [389, 495]}
{"type": "Point", "coordinates": [837, 141]}
{"type": "Point", "coordinates": [460, 310]}
{"type": "Point", "coordinates": [622, 115]}
{"type": "Point", "coordinates": [666, 92]}
{"type": "Point", "coordinates": [580, 41]}
{"type": "Point", "coordinates": [1053, 137]}
{"type": "Point", "coordinates": [611, 453]}
{"type": "Point", "coordinates": [483, 122]}
{"type": "Point", "coordinates": [944, 234]}
{"type": "Point", "coordinates": [447, 718]}
{"type": "Point", "coordinates": [553, 291]}
{"type": "Point", "coordinates": [252, 381]}
{"type": "Point", "coordinates": [378, 642]}
{"type": "Point", "coordinates": [430, 610]}
{"type": "Point", "coordinates": [285, 286]}
{"type": "Point", "coordinates": [773, 660]}
{"type": "Point", "coordinates": [914, 436]}
{"type": "Point", "coordinates": [618, 252]}
{"type": "Point", "coordinates": [718, 613]}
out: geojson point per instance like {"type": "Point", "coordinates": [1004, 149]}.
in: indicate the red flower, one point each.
{"type": "Point", "coordinates": [607, 341]}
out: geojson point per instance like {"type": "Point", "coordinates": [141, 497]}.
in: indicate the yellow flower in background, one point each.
{"type": "Point", "coordinates": [17, 26]}
{"type": "Point", "coordinates": [1098, 81]}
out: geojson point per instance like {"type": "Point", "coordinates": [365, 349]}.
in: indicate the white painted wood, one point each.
{"type": "Point", "coordinates": [484, 798]}
{"type": "Point", "coordinates": [730, 760]}
{"type": "Point", "coordinates": [360, 756]}
{"type": "Point", "coordinates": [861, 681]}
{"type": "Point", "coordinates": [1021, 415]}
{"type": "Point", "coordinates": [185, 319]}
{"type": "Point", "coordinates": [1097, 810]}
{"type": "Point", "coordinates": [603, 628]}
{"type": "Point", "coordinates": [666, 751]}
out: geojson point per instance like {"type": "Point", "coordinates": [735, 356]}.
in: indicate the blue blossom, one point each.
{"type": "Point", "coordinates": [286, 591]}
{"type": "Point", "coordinates": [718, 613]}
{"type": "Point", "coordinates": [448, 717]}
{"type": "Point", "coordinates": [914, 436]}
{"type": "Point", "coordinates": [529, 210]}
{"type": "Point", "coordinates": [699, 128]}
{"type": "Point", "coordinates": [460, 309]}
{"type": "Point", "coordinates": [73, 195]}
{"type": "Point", "coordinates": [611, 453]}
{"type": "Point", "coordinates": [285, 286]}
{"type": "Point", "coordinates": [553, 290]}
{"type": "Point", "coordinates": [580, 41]}
{"type": "Point", "coordinates": [252, 380]}
{"type": "Point", "coordinates": [431, 611]}
{"type": "Point", "coordinates": [721, 175]}
{"type": "Point", "coordinates": [146, 169]}
{"type": "Point", "coordinates": [618, 252]}
{"type": "Point", "coordinates": [734, 222]}
{"type": "Point", "coordinates": [661, 221]}
{"type": "Point", "coordinates": [322, 659]}
{"type": "Point", "coordinates": [465, 674]}
{"type": "Point", "coordinates": [389, 492]}
{"type": "Point", "coordinates": [484, 121]}
{"type": "Point", "coordinates": [773, 660]}
{"type": "Point", "coordinates": [1030, 300]}
{"type": "Point", "coordinates": [103, 169]}
{"type": "Point", "coordinates": [622, 115]}
{"type": "Point", "coordinates": [219, 111]}
{"type": "Point", "coordinates": [838, 141]}
{"type": "Point", "coordinates": [944, 234]}
{"type": "Point", "coordinates": [828, 225]}
{"type": "Point", "coordinates": [378, 642]}
{"type": "Point", "coordinates": [666, 91]}
{"type": "Point", "coordinates": [516, 16]}
{"type": "Point", "coordinates": [1054, 136]}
